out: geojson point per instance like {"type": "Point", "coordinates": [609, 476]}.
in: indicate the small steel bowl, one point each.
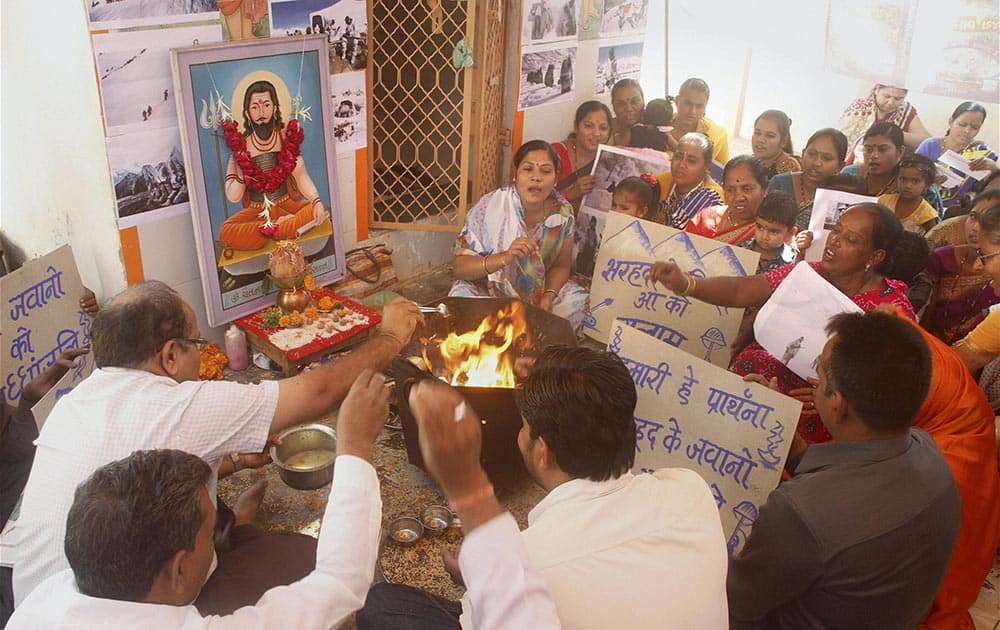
{"type": "Point", "coordinates": [436, 518]}
{"type": "Point", "coordinates": [405, 530]}
{"type": "Point", "coordinates": [306, 455]}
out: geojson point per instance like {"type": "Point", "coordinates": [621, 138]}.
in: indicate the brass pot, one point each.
{"type": "Point", "coordinates": [293, 299]}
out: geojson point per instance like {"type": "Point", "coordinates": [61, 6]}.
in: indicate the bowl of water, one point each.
{"type": "Point", "coordinates": [305, 456]}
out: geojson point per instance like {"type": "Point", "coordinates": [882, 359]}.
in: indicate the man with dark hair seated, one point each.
{"type": "Point", "coordinates": [861, 536]}
{"type": "Point", "coordinates": [145, 394]}
{"type": "Point", "coordinates": [616, 550]}
{"type": "Point", "coordinates": [139, 537]}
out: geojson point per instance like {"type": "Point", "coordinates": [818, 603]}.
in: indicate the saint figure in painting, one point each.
{"type": "Point", "coordinates": [293, 204]}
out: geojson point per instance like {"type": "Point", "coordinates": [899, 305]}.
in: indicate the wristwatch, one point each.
{"type": "Point", "coordinates": [237, 462]}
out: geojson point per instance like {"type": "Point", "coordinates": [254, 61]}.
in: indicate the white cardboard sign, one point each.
{"type": "Point", "coordinates": [621, 287]}
{"type": "Point", "coordinates": [41, 319]}
{"type": "Point", "coordinates": [692, 414]}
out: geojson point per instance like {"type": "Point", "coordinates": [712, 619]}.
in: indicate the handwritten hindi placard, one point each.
{"type": "Point", "coordinates": [621, 287]}
{"type": "Point", "coordinates": [692, 414]}
{"type": "Point", "coordinates": [83, 366]}
{"type": "Point", "coordinates": [41, 319]}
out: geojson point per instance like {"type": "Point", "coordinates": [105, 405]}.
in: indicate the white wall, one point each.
{"type": "Point", "coordinates": [56, 186]}
{"type": "Point", "coordinates": [786, 43]}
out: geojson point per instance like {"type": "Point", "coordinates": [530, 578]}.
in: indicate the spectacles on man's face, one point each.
{"type": "Point", "coordinates": [984, 257]}
{"type": "Point", "coordinates": [198, 342]}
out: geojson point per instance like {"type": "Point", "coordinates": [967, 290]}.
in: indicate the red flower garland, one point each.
{"type": "Point", "coordinates": [256, 179]}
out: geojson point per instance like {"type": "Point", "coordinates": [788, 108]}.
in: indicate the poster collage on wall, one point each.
{"type": "Point", "coordinates": [550, 34]}
{"type": "Point", "coordinates": [132, 41]}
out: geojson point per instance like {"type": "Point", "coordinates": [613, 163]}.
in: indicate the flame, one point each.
{"type": "Point", "coordinates": [485, 356]}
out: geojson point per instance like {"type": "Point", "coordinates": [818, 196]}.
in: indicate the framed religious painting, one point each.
{"type": "Point", "coordinates": [260, 167]}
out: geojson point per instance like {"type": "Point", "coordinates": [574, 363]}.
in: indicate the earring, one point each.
{"type": "Point", "coordinates": [867, 267]}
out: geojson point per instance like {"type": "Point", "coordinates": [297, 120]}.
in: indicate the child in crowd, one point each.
{"type": "Point", "coordinates": [775, 229]}
{"type": "Point", "coordinates": [909, 265]}
{"type": "Point", "coordinates": [914, 175]}
{"type": "Point", "coordinates": [636, 196]}
{"type": "Point", "coordinates": [654, 130]}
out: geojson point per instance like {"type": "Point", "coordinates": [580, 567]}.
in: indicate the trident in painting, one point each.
{"type": "Point", "coordinates": [209, 118]}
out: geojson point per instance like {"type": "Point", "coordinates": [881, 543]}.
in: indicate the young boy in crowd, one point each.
{"type": "Point", "coordinates": [775, 229]}
{"type": "Point", "coordinates": [914, 175]}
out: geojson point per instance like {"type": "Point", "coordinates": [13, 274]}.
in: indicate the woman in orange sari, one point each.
{"type": "Point", "coordinates": [744, 183]}
{"type": "Point", "coordinates": [958, 417]}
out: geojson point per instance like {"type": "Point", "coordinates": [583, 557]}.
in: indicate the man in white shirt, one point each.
{"type": "Point", "coordinates": [141, 528]}
{"type": "Point", "coordinates": [616, 550]}
{"type": "Point", "coordinates": [145, 395]}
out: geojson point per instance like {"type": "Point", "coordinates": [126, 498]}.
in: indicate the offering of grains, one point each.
{"type": "Point", "coordinates": [420, 564]}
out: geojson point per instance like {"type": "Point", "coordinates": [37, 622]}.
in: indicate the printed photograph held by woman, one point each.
{"type": "Point", "coordinates": [514, 245]}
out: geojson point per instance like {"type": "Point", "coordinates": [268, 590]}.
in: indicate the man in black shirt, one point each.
{"type": "Point", "coordinates": [862, 535]}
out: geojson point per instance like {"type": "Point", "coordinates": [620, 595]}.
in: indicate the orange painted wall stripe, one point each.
{"type": "Point", "coordinates": [361, 192]}
{"type": "Point", "coordinates": [131, 255]}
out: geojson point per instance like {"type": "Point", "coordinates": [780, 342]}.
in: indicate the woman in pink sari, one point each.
{"type": "Point", "coordinates": [855, 260]}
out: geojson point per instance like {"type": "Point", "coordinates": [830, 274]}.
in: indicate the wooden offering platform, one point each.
{"type": "Point", "coordinates": [333, 331]}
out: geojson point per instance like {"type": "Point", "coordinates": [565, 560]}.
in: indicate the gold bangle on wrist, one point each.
{"type": "Point", "coordinates": [689, 287]}
{"type": "Point", "coordinates": [552, 291]}
{"type": "Point", "coordinates": [486, 269]}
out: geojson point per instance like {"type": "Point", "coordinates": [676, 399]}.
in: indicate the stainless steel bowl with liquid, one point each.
{"type": "Point", "coordinates": [305, 456]}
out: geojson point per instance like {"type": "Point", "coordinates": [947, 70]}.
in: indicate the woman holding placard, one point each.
{"type": "Point", "coordinates": [518, 240]}
{"type": "Point", "coordinates": [855, 260]}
